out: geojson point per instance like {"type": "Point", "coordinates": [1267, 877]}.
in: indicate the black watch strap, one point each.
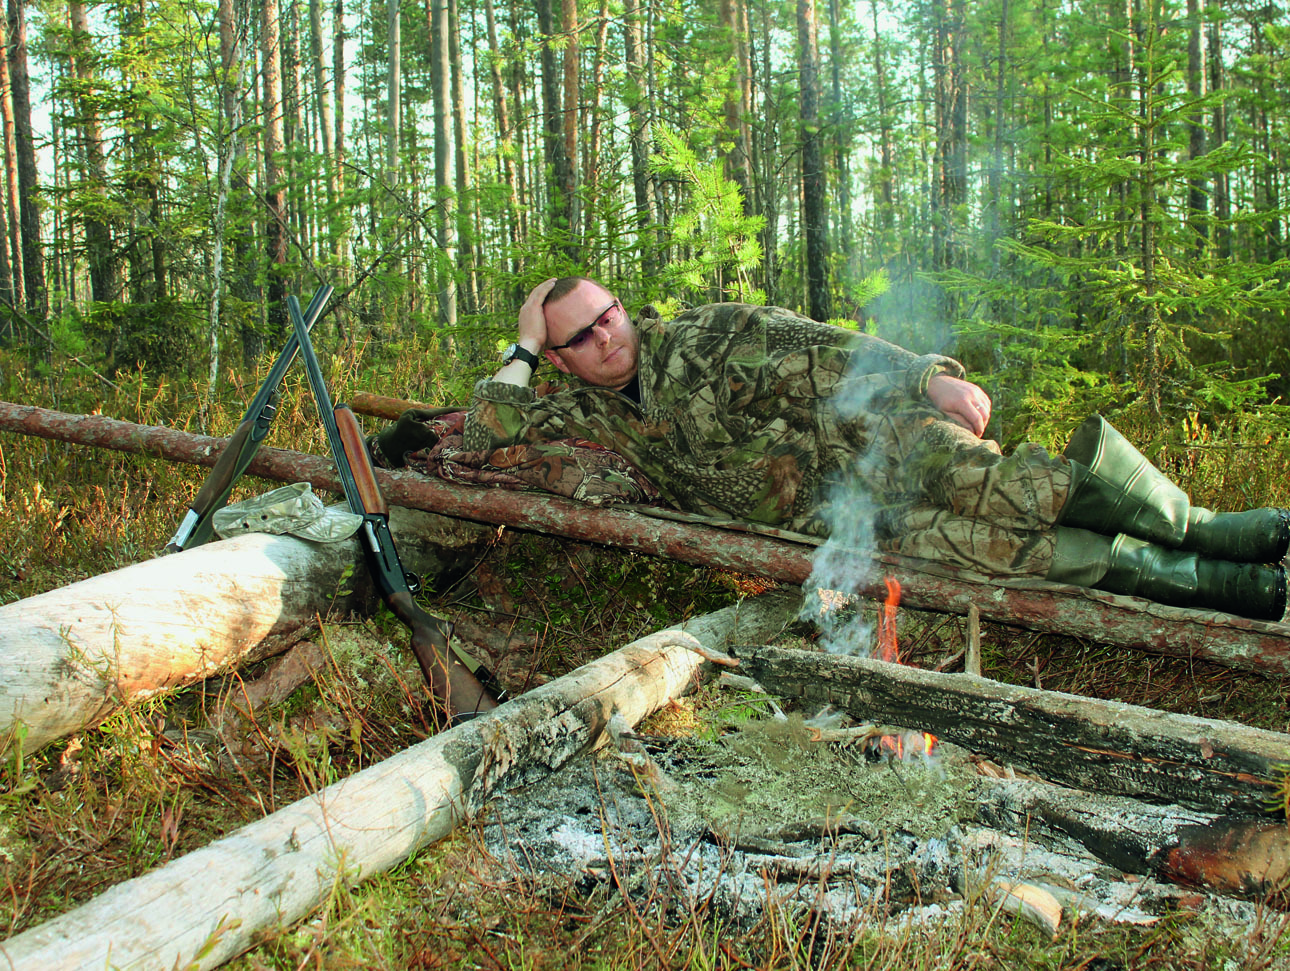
{"type": "Point", "coordinates": [515, 351]}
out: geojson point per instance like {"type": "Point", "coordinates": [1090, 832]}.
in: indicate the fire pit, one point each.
{"type": "Point", "coordinates": [748, 810]}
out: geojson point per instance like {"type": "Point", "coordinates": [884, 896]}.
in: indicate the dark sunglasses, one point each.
{"type": "Point", "coordinates": [580, 338]}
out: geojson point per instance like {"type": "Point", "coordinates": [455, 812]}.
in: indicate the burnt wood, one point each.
{"type": "Point", "coordinates": [1102, 746]}
{"type": "Point", "coordinates": [1237, 856]}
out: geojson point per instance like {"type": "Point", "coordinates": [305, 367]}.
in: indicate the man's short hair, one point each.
{"type": "Point", "coordinates": [565, 286]}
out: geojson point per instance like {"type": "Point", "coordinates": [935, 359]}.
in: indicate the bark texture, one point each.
{"type": "Point", "coordinates": [1237, 856]}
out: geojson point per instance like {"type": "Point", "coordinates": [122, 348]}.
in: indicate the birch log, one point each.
{"type": "Point", "coordinates": [1251, 645]}
{"type": "Point", "coordinates": [1102, 746]}
{"type": "Point", "coordinates": [204, 908]}
{"type": "Point", "coordinates": [71, 656]}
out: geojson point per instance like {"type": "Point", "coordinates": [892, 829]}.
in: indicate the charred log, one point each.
{"type": "Point", "coordinates": [1236, 856]}
{"type": "Point", "coordinates": [1103, 746]}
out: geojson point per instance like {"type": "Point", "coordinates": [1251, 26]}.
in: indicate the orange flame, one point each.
{"type": "Point", "coordinates": [888, 651]}
{"type": "Point", "coordinates": [887, 622]}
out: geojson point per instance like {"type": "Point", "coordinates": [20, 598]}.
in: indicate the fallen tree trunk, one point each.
{"type": "Point", "coordinates": [1105, 618]}
{"type": "Point", "coordinates": [204, 908]}
{"type": "Point", "coordinates": [1245, 857]}
{"type": "Point", "coordinates": [1103, 746]}
{"type": "Point", "coordinates": [71, 656]}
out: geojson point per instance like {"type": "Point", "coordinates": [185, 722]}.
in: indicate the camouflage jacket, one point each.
{"type": "Point", "coordinates": [744, 410]}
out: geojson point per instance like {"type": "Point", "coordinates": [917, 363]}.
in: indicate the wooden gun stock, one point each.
{"type": "Point", "coordinates": [360, 463]}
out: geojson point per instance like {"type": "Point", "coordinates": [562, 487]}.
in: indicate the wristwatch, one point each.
{"type": "Point", "coordinates": [514, 351]}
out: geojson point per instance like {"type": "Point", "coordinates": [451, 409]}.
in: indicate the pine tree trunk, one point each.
{"type": "Point", "coordinates": [841, 142]}
{"type": "Point", "coordinates": [525, 158]}
{"type": "Point", "coordinates": [293, 132]}
{"type": "Point", "coordinates": [1197, 194]}
{"type": "Point", "coordinates": [950, 190]}
{"type": "Point", "coordinates": [505, 133]}
{"type": "Point", "coordinates": [767, 150]}
{"type": "Point", "coordinates": [13, 236]}
{"type": "Point", "coordinates": [393, 86]}
{"type": "Point", "coordinates": [98, 237]}
{"type": "Point", "coordinates": [1218, 123]}
{"type": "Point", "coordinates": [33, 261]}
{"type": "Point", "coordinates": [638, 134]}
{"type": "Point", "coordinates": [445, 203]}
{"type": "Point", "coordinates": [734, 107]}
{"type": "Point", "coordinates": [591, 164]}
{"type": "Point", "coordinates": [275, 195]}
{"type": "Point", "coordinates": [8, 331]}
{"type": "Point", "coordinates": [559, 184]}
{"type": "Point", "coordinates": [318, 59]}
{"type": "Point", "coordinates": [1146, 124]}
{"type": "Point", "coordinates": [461, 188]}
{"type": "Point", "coordinates": [340, 243]}
{"type": "Point", "coordinates": [814, 210]}
{"type": "Point", "coordinates": [230, 45]}
{"type": "Point", "coordinates": [995, 202]}
{"type": "Point", "coordinates": [571, 117]}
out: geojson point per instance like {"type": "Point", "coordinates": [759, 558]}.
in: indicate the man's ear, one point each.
{"type": "Point", "coordinates": [557, 361]}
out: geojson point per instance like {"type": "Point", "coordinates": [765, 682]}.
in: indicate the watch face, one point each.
{"type": "Point", "coordinates": [514, 351]}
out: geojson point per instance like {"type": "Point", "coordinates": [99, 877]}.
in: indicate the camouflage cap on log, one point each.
{"type": "Point", "coordinates": [291, 509]}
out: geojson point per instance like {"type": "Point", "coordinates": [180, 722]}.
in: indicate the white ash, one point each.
{"type": "Point", "coordinates": [762, 818]}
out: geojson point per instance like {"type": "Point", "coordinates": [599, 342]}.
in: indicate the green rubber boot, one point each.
{"type": "Point", "coordinates": [1180, 578]}
{"type": "Point", "coordinates": [1114, 489]}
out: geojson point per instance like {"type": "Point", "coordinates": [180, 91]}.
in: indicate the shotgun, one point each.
{"type": "Point", "coordinates": [455, 678]}
{"type": "Point", "coordinates": [240, 449]}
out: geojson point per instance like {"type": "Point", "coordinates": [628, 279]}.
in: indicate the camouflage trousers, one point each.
{"type": "Point", "coordinates": [944, 495]}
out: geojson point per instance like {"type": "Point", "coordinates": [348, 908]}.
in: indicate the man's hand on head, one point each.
{"type": "Point", "coordinates": [532, 330]}
{"type": "Point", "coordinates": [961, 401]}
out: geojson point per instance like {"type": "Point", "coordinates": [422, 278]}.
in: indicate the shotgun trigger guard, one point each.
{"type": "Point", "coordinates": [413, 582]}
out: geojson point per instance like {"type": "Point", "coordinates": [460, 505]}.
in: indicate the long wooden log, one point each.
{"type": "Point", "coordinates": [204, 908]}
{"type": "Point", "coordinates": [1102, 746]}
{"type": "Point", "coordinates": [71, 656]}
{"type": "Point", "coordinates": [1104, 618]}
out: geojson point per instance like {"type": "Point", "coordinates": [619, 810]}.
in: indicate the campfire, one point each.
{"type": "Point", "coordinates": [838, 816]}
{"type": "Point", "coordinates": [915, 743]}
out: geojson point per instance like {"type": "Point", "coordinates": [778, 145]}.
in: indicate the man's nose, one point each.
{"type": "Point", "coordinates": [601, 332]}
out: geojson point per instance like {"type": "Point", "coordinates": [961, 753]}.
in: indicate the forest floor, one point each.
{"type": "Point", "coordinates": [166, 778]}
{"type": "Point", "coordinates": [156, 782]}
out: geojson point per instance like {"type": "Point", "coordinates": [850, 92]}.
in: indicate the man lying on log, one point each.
{"type": "Point", "coordinates": [753, 412]}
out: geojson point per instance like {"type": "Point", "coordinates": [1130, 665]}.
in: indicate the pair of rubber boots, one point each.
{"type": "Point", "coordinates": [1126, 528]}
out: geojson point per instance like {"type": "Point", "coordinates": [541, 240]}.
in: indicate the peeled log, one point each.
{"type": "Point", "coordinates": [73, 655]}
{"type": "Point", "coordinates": [204, 908]}
{"type": "Point", "coordinates": [1104, 618]}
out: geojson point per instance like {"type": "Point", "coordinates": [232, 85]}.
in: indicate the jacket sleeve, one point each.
{"type": "Point", "coordinates": [506, 414]}
{"type": "Point", "coordinates": [836, 353]}
{"type": "Point", "coordinates": [501, 414]}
